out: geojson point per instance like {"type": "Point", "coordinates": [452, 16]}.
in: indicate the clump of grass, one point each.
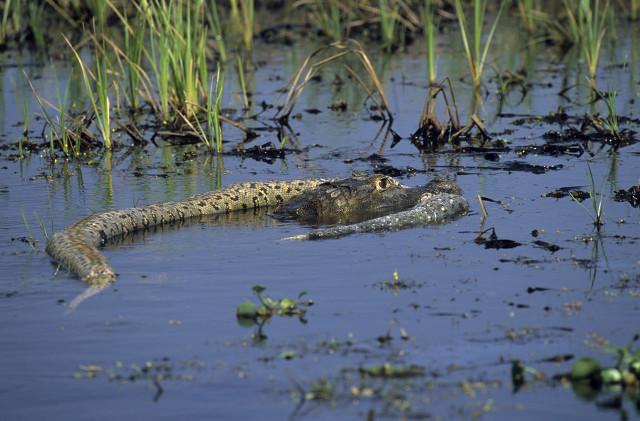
{"type": "Point", "coordinates": [11, 19]}
{"type": "Point", "coordinates": [611, 120]}
{"type": "Point", "coordinates": [36, 24]}
{"type": "Point", "coordinates": [248, 14]}
{"type": "Point", "coordinates": [133, 52]}
{"type": "Point", "coordinates": [99, 99]}
{"type": "Point", "coordinates": [212, 137]}
{"type": "Point", "coordinates": [388, 20]}
{"type": "Point", "coordinates": [213, 18]}
{"type": "Point", "coordinates": [328, 54]}
{"type": "Point", "coordinates": [178, 43]}
{"type": "Point", "coordinates": [587, 27]}
{"type": "Point", "coordinates": [472, 37]}
{"type": "Point", "coordinates": [429, 39]}
{"type": "Point", "coordinates": [527, 11]}
{"type": "Point", "coordinates": [329, 16]}
{"type": "Point", "coordinates": [597, 210]}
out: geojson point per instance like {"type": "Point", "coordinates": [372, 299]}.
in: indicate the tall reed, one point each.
{"type": "Point", "coordinates": [243, 85]}
{"type": "Point", "coordinates": [328, 16]}
{"type": "Point", "coordinates": [526, 8]}
{"type": "Point", "coordinates": [248, 15]}
{"type": "Point", "coordinates": [213, 110]}
{"type": "Point", "coordinates": [36, 24]}
{"type": "Point", "coordinates": [475, 51]}
{"type": "Point", "coordinates": [213, 19]}
{"type": "Point", "coordinates": [178, 44]}
{"type": "Point", "coordinates": [388, 20]}
{"type": "Point", "coordinates": [586, 28]}
{"type": "Point", "coordinates": [133, 50]}
{"type": "Point", "coordinates": [429, 39]}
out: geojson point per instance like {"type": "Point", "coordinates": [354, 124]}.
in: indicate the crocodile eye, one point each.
{"type": "Point", "coordinates": [383, 183]}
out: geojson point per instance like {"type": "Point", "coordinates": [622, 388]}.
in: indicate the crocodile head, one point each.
{"type": "Point", "coordinates": [358, 198]}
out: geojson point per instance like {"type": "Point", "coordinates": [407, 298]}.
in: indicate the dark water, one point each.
{"type": "Point", "coordinates": [467, 313]}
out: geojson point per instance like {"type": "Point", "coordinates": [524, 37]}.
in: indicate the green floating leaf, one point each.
{"type": "Point", "coordinates": [611, 375]}
{"type": "Point", "coordinates": [247, 310]}
{"type": "Point", "coordinates": [585, 369]}
{"type": "Point", "coordinates": [287, 305]}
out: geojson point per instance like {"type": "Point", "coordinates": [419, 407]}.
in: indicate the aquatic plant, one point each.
{"type": "Point", "coordinates": [11, 18]}
{"type": "Point", "coordinates": [269, 307]}
{"type": "Point", "coordinates": [329, 16]}
{"type": "Point", "coordinates": [177, 36]}
{"type": "Point", "coordinates": [475, 51]}
{"type": "Point", "coordinates": [388, 20]}
{"type": "Point", "coordinates": [248, 14]}
{"type": "Point", "coordinates": [429, 39]}
{"type": "Point", "coordinates": [213, 110]}
{"type": "Point", "coordinates": [595, 200]}
{"type": "Point", "coordinates": [243, 86]}
{"type": "Point", "coordinates": [133, 53]}
{"type": "Point", "coordinates": [99, 99]}
{"type": "Point", "coordinates": [213, 19]}
{"type": "Point", "coordinates": [434, 131]}
{"type": "Point", "coordinates": [528, 11]}
{"type": "Point", "coordinates": [587, 27]}
{"type": "Point", "coordinates": [610, 122]}
{"type": "Point", "coordinates": [36, 24]}
{"type": "Point", "coordinates": [588, 377]}
{"type": "Point", "coordinates": [328, 54]}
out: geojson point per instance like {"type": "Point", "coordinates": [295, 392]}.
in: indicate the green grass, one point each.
{"type": "Point", "coordinates": [36, 24]}
{"type": "Point", "coordinates": [248, 17]}
{"type": "Point", "coordinates": [99, 99]}
{"type": "Point", "coordinates": [133, 51]}
{"type": "Point", "coordinates": [587, 27]}
{"type": "Point", "coordinates": [213, 110]}
{"type": "Point", "coordinates": [328, 16]}
{"type": "Point", "coordinates": [597, 209]}
{"type": "Point", "coordinates": [11, 19]}
{"type": "Point", "coordinates": [98, 9]}
{"type": "Point", "coordinates": [611, 120]}
{"type": "Point", "coordinates": [476, 47]}
{"type": "Point", "coordinates": [177, 40]}
{"type": "Point", "coordinates": [388, 21]}
{"type": "Point", "coordinates": [429, 39]}
{"type": "Point", "coordinates": [527, 10]}
{"type": "Point", "coordinates": [213, 19]}
{"type": "Point", "coordinates": [243, 86]}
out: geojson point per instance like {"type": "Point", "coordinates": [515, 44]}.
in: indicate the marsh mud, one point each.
{"type": "Point", "coordinates": [424, 322]}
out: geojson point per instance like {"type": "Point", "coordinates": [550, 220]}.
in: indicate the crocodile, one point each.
{"type": "Point", "coordinates": [360, 203]}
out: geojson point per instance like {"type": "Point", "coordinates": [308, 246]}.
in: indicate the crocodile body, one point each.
{"type": "Point", "coordinates": [354, 201]}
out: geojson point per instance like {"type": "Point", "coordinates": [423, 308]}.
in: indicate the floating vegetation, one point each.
{"type": "Point", "coordinates": [250, 313]}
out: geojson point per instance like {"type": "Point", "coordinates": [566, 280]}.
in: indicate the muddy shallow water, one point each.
{"type": "Point", "coordinates": [464, 313]}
